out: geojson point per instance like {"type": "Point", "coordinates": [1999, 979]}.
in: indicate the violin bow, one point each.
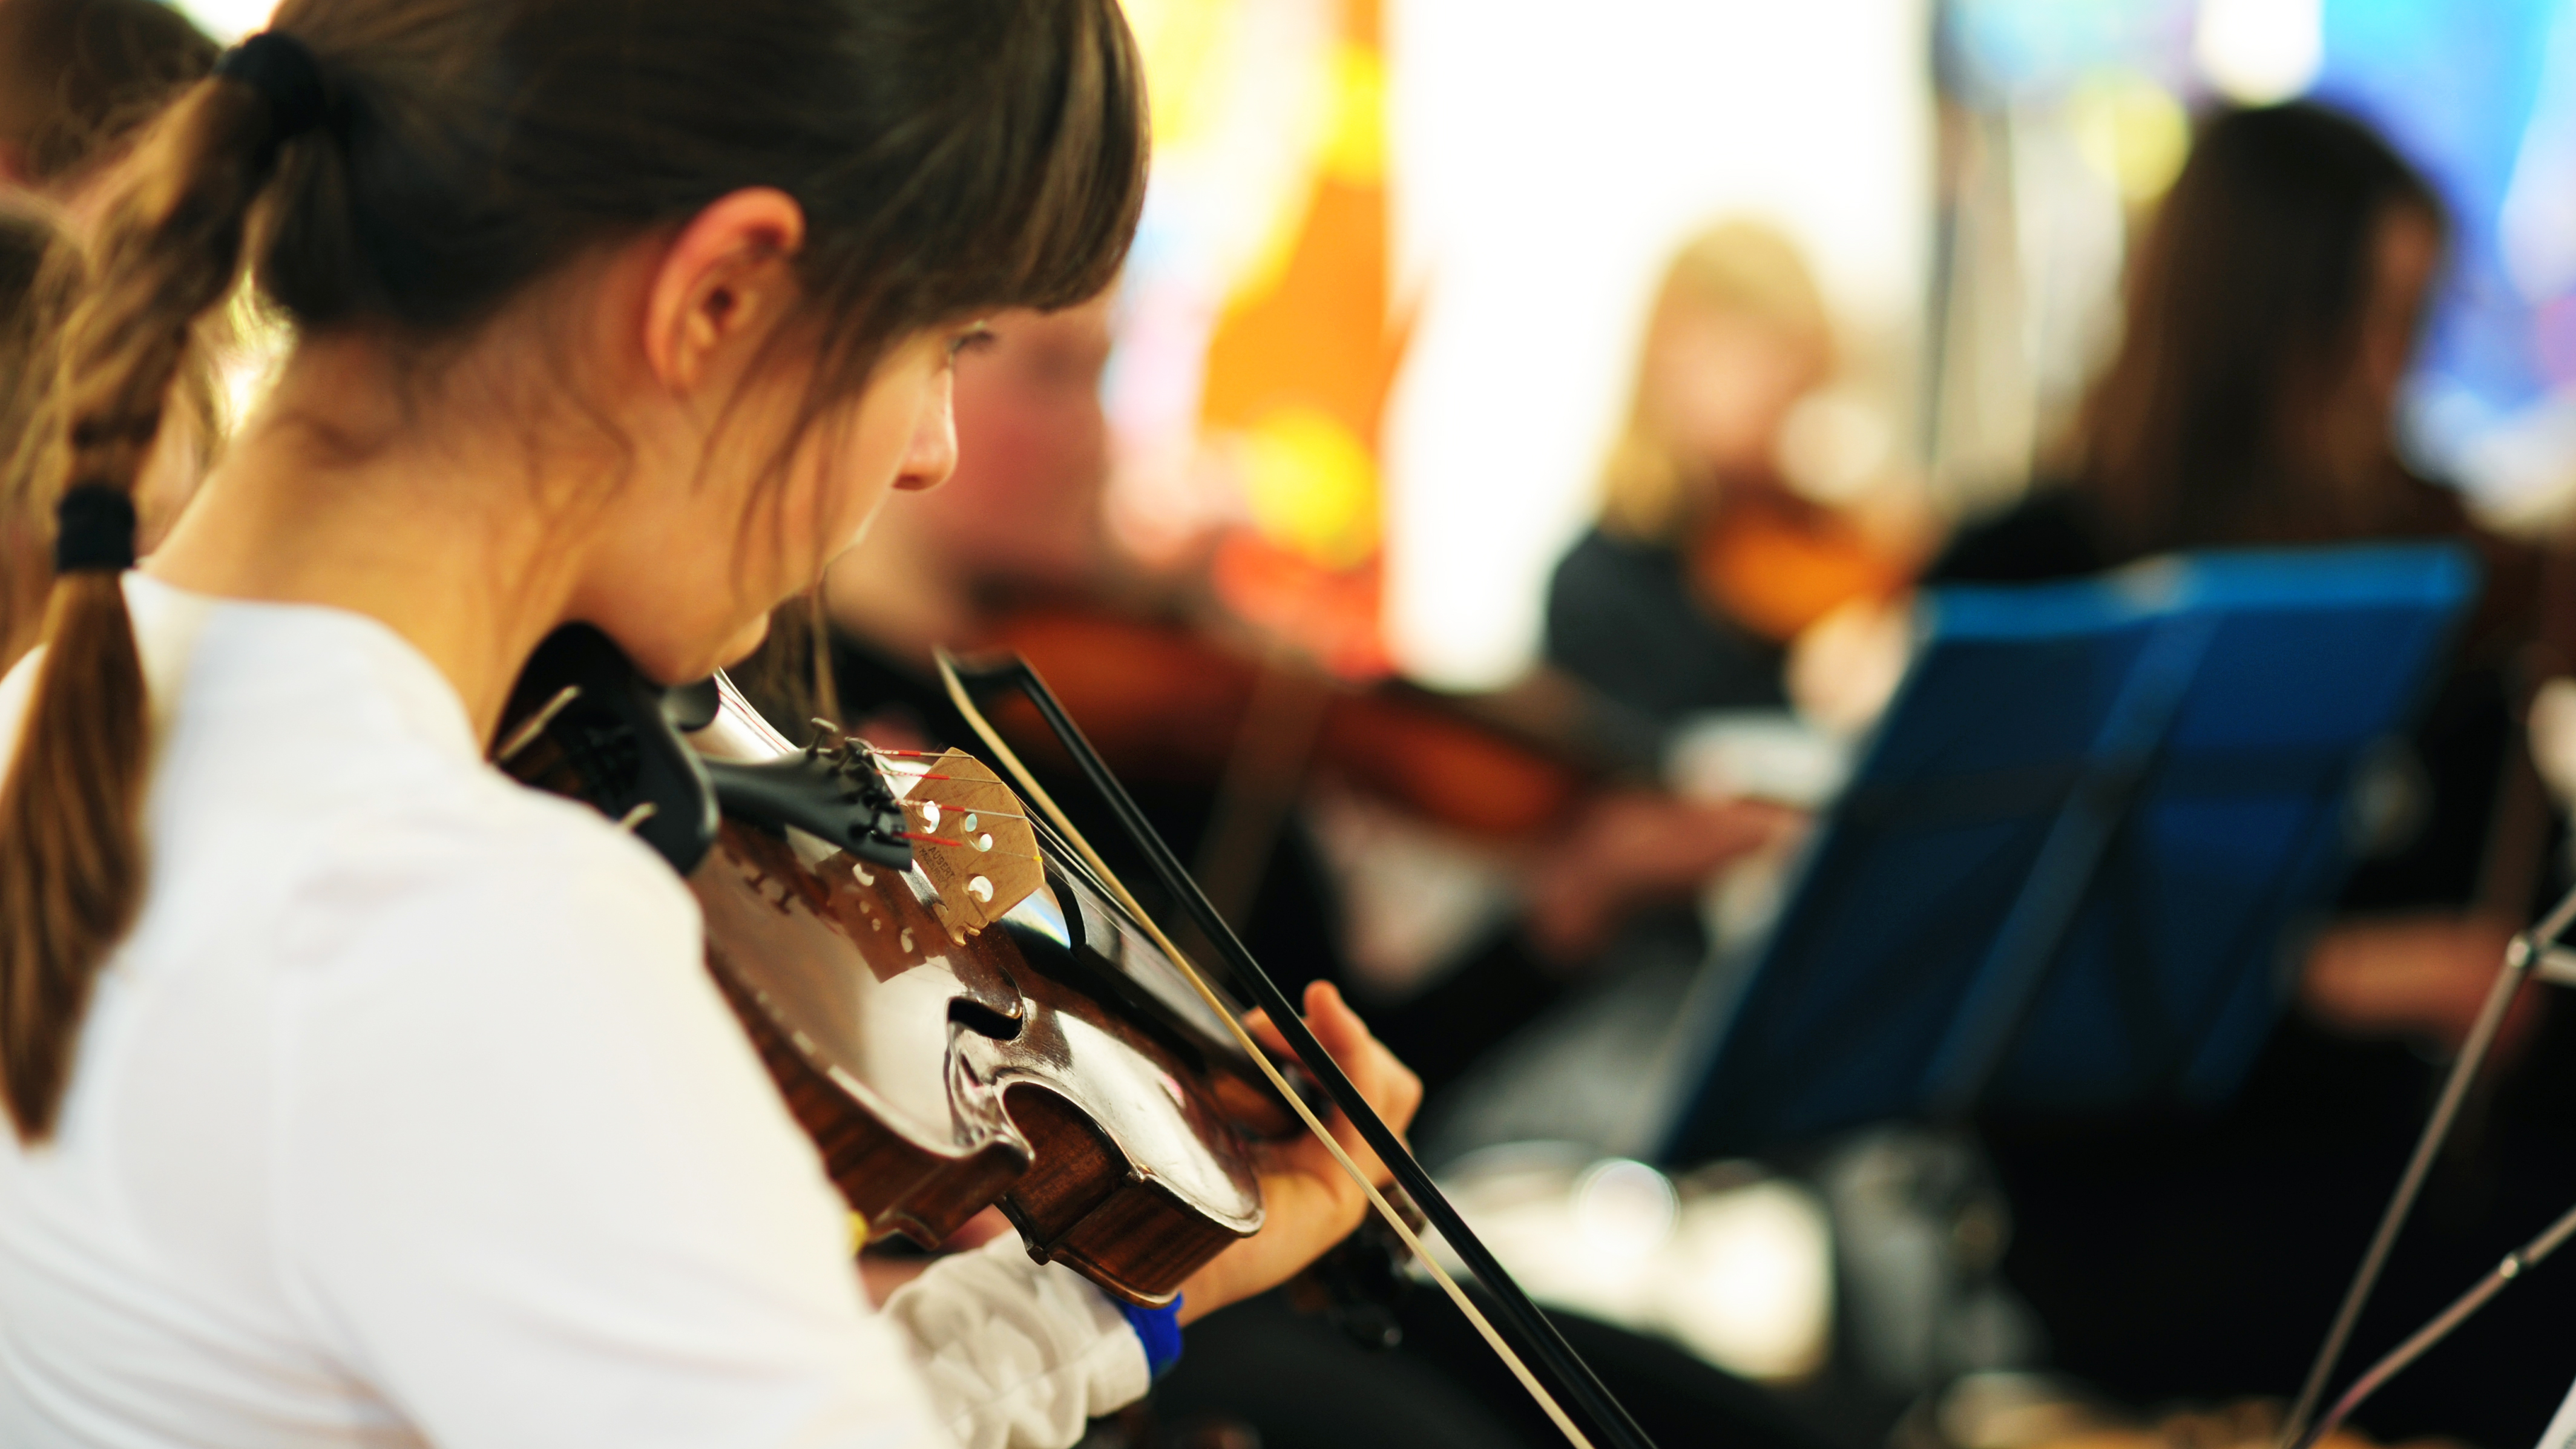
{"type": "Point", "coordinates": [1539, 1337]}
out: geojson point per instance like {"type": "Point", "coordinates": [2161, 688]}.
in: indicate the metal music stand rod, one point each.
{"type": "Point", "coordinates": [2532, 948]}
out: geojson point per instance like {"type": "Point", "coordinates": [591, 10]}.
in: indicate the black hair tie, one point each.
{"type": "Point", "coordinates": [284, 72]}
{"type": "Point", "coordinates": [94, 529]}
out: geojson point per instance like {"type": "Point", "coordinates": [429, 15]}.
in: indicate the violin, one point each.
{"type": "Point", "coordinates": [1776, 563]}
{"type": "Point", "coordinates": [1164, 702]}
{"type": "Point", "coordinates": [963, 1007]}
{"type": "Point", "coordinates": [1548, 776]}
{"type": "Point", "coordinates": [955, 1018]}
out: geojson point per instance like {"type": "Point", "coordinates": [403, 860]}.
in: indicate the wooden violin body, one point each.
{"type": "Point", "coordinates": [1776, 563]}
{"type": "Point", "coordinates": [1165, 703]}
{"type": "Point", "coordinates": [975, 1026]}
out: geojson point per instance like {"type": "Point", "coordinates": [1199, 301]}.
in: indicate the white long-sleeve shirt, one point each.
{"type": "Point", "coordinates": [407, 1113]}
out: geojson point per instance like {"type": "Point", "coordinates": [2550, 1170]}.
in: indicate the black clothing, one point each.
{"type": "Point", "coordinates": [2054, 533]}
{"type": "Point", "coordinates": [1259, 1364]}
{"type": "Point", "coordinates": [1623, 618]}
{"type": "Point", "coordinates": [2202, 1257]}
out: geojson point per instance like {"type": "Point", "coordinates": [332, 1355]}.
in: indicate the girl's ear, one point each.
{"type": "Point", "coordinates": [724, 280]}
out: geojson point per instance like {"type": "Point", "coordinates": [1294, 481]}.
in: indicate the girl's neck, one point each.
{"type": "Point", "coordinates": [333, 495]}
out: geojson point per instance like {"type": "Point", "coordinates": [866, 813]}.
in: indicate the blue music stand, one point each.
{"type": "Point", "coordinates": [2075, 866]}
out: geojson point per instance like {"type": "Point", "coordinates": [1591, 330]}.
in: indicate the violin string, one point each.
{"type": "Point", "coordinates": [946, 808]}
{"type": "Point", "coordinates": [1056, 851]}
{"type": "Point", "coordinates": [1060, 851]}
{"type": "Point", "coordinates": [921, 838]}
{"type": "Point", "coordinates": [1117, 890]}
{"type": "Point", "coordinates": [916, 805]}
{"type": "Point", "coordinates": [910, 802]}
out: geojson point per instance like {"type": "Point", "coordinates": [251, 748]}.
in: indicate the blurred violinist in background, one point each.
{"type": "Point", "coordinates": [1706, 561]}
{"type": "Point", "coordinates": [1013, 554]}
{"type": "Point", "coordinates": [2271, 314]}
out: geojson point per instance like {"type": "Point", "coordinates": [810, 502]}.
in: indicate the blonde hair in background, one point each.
{"type": "Point", "coordinates": [1738, 268]}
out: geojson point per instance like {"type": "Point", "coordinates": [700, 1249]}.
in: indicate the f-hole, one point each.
{"type": "Point", "coordinates": [981, 1019]}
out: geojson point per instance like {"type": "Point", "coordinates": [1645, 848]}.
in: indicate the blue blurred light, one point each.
{"type": "Point", "coordinates": [2000, 51]}
{"type": "Point", "coordinates": [2453, 84]}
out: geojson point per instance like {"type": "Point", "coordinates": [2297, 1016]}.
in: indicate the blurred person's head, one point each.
{"type": "Point", "coordinates": [1022, 512]}
{"type": "Point", "coordinates": [1738, 334]}
{"type": "Point", "coordinates": [2272, 309]}
{"type": "Point", "coordinates": [78, 78]}
{"type": "Point", "coordinates": [1023, 507]}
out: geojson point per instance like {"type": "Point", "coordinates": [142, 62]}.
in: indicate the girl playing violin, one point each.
{"type": "Point", "coordinates": [1706, 562]}
{"type": "Point", "coordinates": [358, 1095]}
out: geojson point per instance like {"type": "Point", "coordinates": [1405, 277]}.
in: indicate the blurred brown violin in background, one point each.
{"type": "Point", "coordinates": [1777, 564]}
{"type": "Point", "coordinates": [1547, 773]}
{"type": "Point", "coordinates": [1166, 701]}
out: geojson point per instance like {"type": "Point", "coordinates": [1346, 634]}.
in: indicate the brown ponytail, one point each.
{"type": "Point", "coordinates": [71, 847]}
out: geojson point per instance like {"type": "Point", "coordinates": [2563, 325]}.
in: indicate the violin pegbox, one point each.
{"type": "Point", "coordinates": [970, 837]}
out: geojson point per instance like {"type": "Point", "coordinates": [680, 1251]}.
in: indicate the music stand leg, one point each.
{"type": "Point", "coordinates": [2524, 951]}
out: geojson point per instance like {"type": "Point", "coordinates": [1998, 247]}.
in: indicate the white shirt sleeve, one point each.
{"type": "Point", "coordinates": [2561, 1432]}
{"type": "Point", "coordinates": [1017, 1353]}
{"type": "Point", "coordinates": [535, 1186]}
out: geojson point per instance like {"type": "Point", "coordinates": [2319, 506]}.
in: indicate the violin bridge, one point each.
{"type": "Point", "coordinates": [973, 841]}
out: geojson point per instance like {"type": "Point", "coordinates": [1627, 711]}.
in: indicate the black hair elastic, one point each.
{"type": "Point", "coordinates": [94, 529]}
{"type": "Point", "coordinates": [284, 72]}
